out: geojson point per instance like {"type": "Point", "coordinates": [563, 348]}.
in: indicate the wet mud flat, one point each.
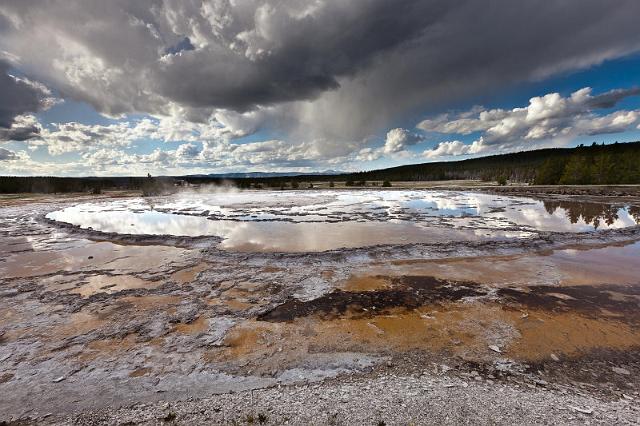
{"type": "Point", "coordinates": [142, 319]}
{"type": "Point", "coordinates": [412, 292]}
{"type": "Point", "coordinates": [476, 324]}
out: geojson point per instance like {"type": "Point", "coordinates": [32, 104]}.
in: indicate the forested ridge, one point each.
{"type": "Point", "coordinates": [617, 163]}
{"type": "Point", "coordinates": [54, 185]}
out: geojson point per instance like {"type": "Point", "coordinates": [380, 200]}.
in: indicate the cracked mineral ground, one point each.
{"type": "Point", "coordinates": [113, 302]}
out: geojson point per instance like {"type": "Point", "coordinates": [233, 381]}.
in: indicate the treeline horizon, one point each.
{"type": "Point", "coordinates": [617, 163]}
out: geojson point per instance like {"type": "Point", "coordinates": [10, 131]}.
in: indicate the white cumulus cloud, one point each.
{"type": "Point", "coordinates": [548, 119]}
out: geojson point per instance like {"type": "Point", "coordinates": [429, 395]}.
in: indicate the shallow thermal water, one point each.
{"type": "Point", "coordinates": [300, 221]}
{"type": "Point", "coordinates": [576, 266]}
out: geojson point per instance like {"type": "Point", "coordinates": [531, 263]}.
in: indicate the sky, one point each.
{"type": "Point", "coordinates": [173, 87]}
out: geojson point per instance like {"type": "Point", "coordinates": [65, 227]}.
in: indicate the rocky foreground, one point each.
{"type": "Point", "coordinates": [386, 399]}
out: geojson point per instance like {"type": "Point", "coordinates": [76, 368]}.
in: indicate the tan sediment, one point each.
{"type": "Point", "coordinates": [60, 282]}
{"type": "Point", "coordinates": [464, 330]}
{"type": "Point", "coordinates": [239, 296]}
{"type": "Point", "coordinates": [544, 333]}
{"type": "Point", "coordinates": [242, 341]}
{"type": "Point", "coordinates": [460, 329]}
{"type": "Point", "coordinates": [187, 275]}
{"type": "Point", "coordinates": [79, 323]}
{"type": "Point", "coordinates": [139, 372]}
{"type": "Point", "coordinates": [112, 344]}
{"type": "Point", "coordinates": [365, 283]}
{"type": "Point", "coordinates": [111, 284]}
{"type": "Point", "coordinates": [198, 326]}
{"type": "Point", "coordinates": [233, 304]}
{"type": "Point", "coordinates": [151, 302]}
{"type": "Point", "coordinates": [240, 291]}
{"type": "Point", "coordinates": [107, 347]}
{"type": "Point", "coordinates": [237, 305]}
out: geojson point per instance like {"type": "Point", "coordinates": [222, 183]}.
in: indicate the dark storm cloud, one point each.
{"type": "Point", "coordinates": [611, 98]}
{"type": "Point", "coordinates": [19, 133]}
{"type": "Point", "coordinates": [362, 63]}
{"type": "Point", "coordinates": [480, 47]}
{"type": "Point", "coordinates": [18, 96]}
{"type": "Point", "coordinates": [6, 155]}
{"type": "Point", "coordinates": [278, 57]}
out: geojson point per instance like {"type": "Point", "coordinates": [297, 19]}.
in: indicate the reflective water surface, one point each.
{"type": "Point", "coordinates": [294, 221]}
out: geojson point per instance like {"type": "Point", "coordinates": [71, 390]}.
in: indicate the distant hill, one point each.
{"type": "Point", "coordinates": [617, 163]}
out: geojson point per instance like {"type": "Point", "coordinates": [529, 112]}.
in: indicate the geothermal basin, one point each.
{"type": "Point", "coordinates": [312, 221]}
{"type": "Point", "coordinates": [142, 299]}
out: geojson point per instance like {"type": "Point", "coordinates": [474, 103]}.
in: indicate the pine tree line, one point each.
{"type": "Point", "coordinates": [592, 166]}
